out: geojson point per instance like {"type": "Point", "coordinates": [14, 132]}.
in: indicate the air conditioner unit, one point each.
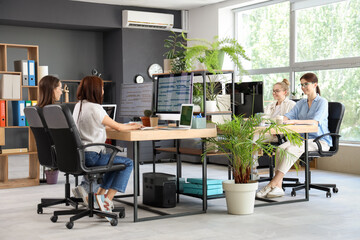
{"type": "Point", "coordinates": [137, 19]}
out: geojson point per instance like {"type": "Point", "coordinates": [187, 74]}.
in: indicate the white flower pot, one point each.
{"type": "Point", "coordinates": [211, 106]}
{"type": "Point", "coordinates": [240, 198]}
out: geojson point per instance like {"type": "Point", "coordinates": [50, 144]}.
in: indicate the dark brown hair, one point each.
{"type": "Point", "coordinates": [90, 89]}
{"type": "Point", "coordinates": [311, 77]}
{"type": "Point", "coordinates": [46, 90]}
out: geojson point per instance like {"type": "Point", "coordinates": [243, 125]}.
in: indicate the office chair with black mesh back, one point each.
{"type": "Point", "coordinates": [46, 155]}
{"type": "Point", "coordinates": [336, 114]}
{"type": "Point", "coordinates": [70, 155]}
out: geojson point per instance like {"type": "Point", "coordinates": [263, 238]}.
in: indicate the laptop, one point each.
{"type": "Point", "coordinates": [186, 117]}
{"type": "Point", "coordinates": [110, 109]}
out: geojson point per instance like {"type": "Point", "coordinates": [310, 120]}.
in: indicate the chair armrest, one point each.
{"type": "Point", "coordinates": [317, 141]}
{"type": "Point", "coordinates": [106, 168]}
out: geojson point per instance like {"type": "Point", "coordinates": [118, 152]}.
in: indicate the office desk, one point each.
{"type": "Point", "coordinates": [299, 128]}
{"type": "Point", "coordinates": [148, 135]}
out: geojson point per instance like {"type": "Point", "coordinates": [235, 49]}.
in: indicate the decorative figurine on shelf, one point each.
{"type": "Point", "coordinates": [66, 93]}
{"type": "Point", "coordinates": [95, 72]}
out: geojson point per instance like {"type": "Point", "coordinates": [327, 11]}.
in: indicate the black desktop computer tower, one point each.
{"type": "Point", "coordinates": [159, 190]}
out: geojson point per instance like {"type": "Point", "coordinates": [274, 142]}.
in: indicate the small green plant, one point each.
{"type": "Point", "coordinates": [241, 137]}
{"type": "Point", "coordinates": [147, 113]}
{"type": "Point", "coordinates": [174, 43]}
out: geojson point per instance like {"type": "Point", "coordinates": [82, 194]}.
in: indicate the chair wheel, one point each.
{"type": "Point", "coordinates": [328, 194]}
{"type": "Point", "coordinates": [114, 222]}
{"type": "Point", "coordinates": [335, 190]}
{"type": "Point", "coordinates": [39, 210]}
{"type": "Point", "coordinates": [54, 218]}
{"type": "Point", "coordinates": [122, 214]}
{"type": "Point", "coordinates": [293, 193]}
{"type": "Point", "coordinates": [69, 225]}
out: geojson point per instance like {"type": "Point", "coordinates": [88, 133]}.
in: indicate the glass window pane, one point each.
{"type": "Point", "coordinates": [269, 80]}
{"type": "Point", "coordinates": [264, 34]}
{"type": "Point", "coordinates": [328, 31]}
{"type": "Point", "coordinates": [342, 85]}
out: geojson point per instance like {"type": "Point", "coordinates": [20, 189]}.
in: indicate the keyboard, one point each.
{"type": "Point", "coordinates": [147, 128]}
{"type": "Point", "coordinates": [174, 128]}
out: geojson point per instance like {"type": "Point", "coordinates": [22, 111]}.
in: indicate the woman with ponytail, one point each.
{"type": "Point", "coordinates": [310, 110]}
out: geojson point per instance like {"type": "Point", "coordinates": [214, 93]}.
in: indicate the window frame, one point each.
{"type": "Point", "coordinates": [318, 65]}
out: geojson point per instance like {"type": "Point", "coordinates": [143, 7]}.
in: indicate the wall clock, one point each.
{"type": "Point", "coordinates": [139, 79]}
{"type": "Point", "coordinates": [154, 68]}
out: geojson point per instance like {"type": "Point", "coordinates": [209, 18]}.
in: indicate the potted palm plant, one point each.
{"type": "Point", "coordinates": [211, 55]}
{"type": "Point", "coordinates": [238, 139]}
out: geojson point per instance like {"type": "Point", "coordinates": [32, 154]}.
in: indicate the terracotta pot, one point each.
{"type": "Point", "coordinates": [145, 121]}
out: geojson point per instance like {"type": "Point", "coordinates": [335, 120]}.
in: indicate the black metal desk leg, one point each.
{"type": "Point", "coordinates": [178, 169]}
{"type": "Point", "coordinates": [136, 179]}
{"type": "Point", "coordinates": [307, 185]}
{"type": "Point", "coordinates": [204, 177]}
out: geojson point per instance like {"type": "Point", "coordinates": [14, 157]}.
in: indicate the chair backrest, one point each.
{"type": "Point", "coordinates": [336, 115]}
{"type": "Point", "coordinates": [66, 138]}
{"type": "Point", "coordinates": [44, 143]}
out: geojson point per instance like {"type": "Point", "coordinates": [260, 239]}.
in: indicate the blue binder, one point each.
{"type": "Point", "coordinates": [31, 69]}
{"type": "Point", "coordinates": [18, 113]}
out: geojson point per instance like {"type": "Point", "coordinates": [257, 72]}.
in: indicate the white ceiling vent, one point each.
{"type": "Point", "coordinates": [137, 19]}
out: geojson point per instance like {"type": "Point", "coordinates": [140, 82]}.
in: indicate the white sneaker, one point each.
{"type": "Point", "coordinates": [104, 204]}
{"type": "Point", "coordinates": [75, 193]}
{"type": "Point", "coordinates": [276, 192]}
{"type": "Point", "coordinates": [83, 194]}
{"type": "Point", "coordinates": [264, 191]}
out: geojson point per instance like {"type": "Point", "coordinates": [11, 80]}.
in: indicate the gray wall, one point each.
{"type": "Point", "coordinates": [74, 37]}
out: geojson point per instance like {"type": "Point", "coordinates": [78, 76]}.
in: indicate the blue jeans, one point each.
{"type": "Point", "coordinates": [116, 180]}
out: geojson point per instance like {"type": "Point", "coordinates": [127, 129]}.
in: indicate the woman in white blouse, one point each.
{"type": "Point", "coordinates": [282, 105]}
{"type": "Point", "coordinates": [279, 107]}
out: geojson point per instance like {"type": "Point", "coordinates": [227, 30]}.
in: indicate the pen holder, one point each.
{"type": "Point", "coordinates": [198, 123]}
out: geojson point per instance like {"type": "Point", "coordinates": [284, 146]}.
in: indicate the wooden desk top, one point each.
{"type": "Point", "coordinates": [299, 128]}
{"type": "Point", "coordinates": [157, 134]}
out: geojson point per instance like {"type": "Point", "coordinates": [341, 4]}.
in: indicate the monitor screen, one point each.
{"type": "Point", "coordinates": [173, 90]}
{"type": "Point", "coordinates": [110, 110]}
{"type": "Point", "coordinates": [248, 98]}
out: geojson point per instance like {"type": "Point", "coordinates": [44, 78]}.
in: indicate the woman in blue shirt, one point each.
{"type": "Point", "coordinates": [311, 110]}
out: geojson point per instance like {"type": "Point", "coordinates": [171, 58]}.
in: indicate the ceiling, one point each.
{"type": "Point", "coordinates": [164, 4]}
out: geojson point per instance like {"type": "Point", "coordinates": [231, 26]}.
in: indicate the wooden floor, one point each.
{"type": "Point", "coordinates": [320, 218]}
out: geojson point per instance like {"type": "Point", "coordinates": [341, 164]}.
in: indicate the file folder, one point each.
{"type": "Point", "coordinates": [2, 113]}
{"type": "Point", "coordinates": [6, 86]}
{"type": "Point", "coordinates": [27, 104]}
{"type": "Point", "coordinates": [33, 103]}
{"type": "Point", "coordinates": [18, 113]}
{"type": "Point", "coordinates": [22, 66]}
{"type": "Point", "coordinates": [31, 71]}
{"type": "Point", "coordinates": [16, 87]}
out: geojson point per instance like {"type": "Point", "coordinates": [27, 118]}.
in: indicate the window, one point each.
{"type": "Point", "coordinates": [286, 39]}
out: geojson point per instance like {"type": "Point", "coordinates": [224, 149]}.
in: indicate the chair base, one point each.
{"type": "Point", "coordinates": [318, 186]}
{"type": "Point", "coordinates": [47, 202]}
{"type": "Point", "coordinates": [80, 213]}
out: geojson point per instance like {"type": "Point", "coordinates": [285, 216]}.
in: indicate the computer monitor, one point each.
{"type": "Point", "coordinates": [110, 109]}
{"type": "Point", "coordinates": [248, 98]}
{"type": "Point", "coordinates": [171, 91]}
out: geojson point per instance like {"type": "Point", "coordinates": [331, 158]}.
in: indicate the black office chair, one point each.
{"type": "Point", "coordinates": [336, 114]}
{"type": "Point", "coordinates": [47, 156]}
{"type": "Point", "coordinates": [70, 155]}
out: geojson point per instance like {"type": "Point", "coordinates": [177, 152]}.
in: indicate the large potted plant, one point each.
{"type": "Point", "coordinates": [174, 56]}
{"type": "Point", "coordinates": [238, 139]}
{"type": "Point", "coordinates": [211, 55]}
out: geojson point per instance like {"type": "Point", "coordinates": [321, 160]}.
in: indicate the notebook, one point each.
{"type": "Point", "coordinates": [110, 109]}
{"type": "Point", "coordinates": [186, 116]}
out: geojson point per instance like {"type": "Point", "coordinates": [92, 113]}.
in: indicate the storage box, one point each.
{"type": "Point", "coordinates": [159, 190]}
{"type": "Point", "coordinates": [194, 186]}
{"type": "Point", "coordinates": [198, 123]}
